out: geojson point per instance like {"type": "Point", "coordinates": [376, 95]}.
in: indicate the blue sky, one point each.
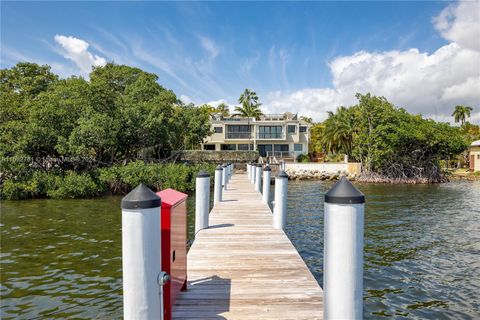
{"type": "Point", "coordinates": [211, 51]}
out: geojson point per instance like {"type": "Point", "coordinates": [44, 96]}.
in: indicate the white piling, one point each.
{"type": "Point", "coordinates": [217, 195]}
{"type": "Point", "coordinates": [202, 200]}
{"type": "Point", "coordinates": [280, 208]}
{"type": "Point", "coordinates": [229, 171]}
{"type": "Point", "coordinates": [254, 171]}
{"type": "Point", "coordinates": [141, 255]}
{"type": "Point", "coordinates": [343, 252]}
{"type": "Point", "coordinates": [258, 177]}
{"type": "Point", "coordinates": [248, 171]}
{"type": "Point", "coordinates": [267, 171]}
{"type": "Point", "coordinates": [224, 176]}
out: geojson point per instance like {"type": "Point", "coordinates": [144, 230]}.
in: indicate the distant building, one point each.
{"type": "Point", "coordinates": [475, 156]}
{"type": "Point", "coordinates": [281, 135]}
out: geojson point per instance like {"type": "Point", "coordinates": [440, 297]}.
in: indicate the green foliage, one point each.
{"type": "Point", "coordinates": [303, 158]}
{"type": "Point", "coordinates": [121, 114]}
{"type": "Point", "coordinates": [181, 177]}
{"type": "Point", "coordinates": [461, 113]}
{"type": "Point", "coordinates": [250, 107]}
{"type": "Point", "coordinates": [223, 109]}
{"type": "Point", "coordinates": [67, 129]}
{"type": "Point", "coordinates": [390, 141]}
{"type": "Point", "coordinates": [74, 185]}
{"type": "Point", "coordinates": [119, 179]}
{"type": "Point", "coordinates": [54, 184]}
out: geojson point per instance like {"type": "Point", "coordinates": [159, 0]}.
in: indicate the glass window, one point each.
{"type": "Point", "coordinates": [218, 129]}
{"type": "Point", "coordinates": [292, 128]}
{"type": "Point", "coordinates": [270, 132]}
{"type": "Point", "coordinates": [303, 128]}
{"type": "Point", "coordinates": [244, 147]}
{"type": "Point", "coordinates": [238, 132]}
{"type": "Point", "coordinates": [208, 147]}
{"type": "Point", "coordinates": [280, 147]}
{"type": "Point", "coordinates": [298, 147]}
{"type": "Point", "coordinates": [229, 147]}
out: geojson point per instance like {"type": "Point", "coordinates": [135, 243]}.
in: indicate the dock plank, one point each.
{"type": "Point", "coordinates": [243, 268]}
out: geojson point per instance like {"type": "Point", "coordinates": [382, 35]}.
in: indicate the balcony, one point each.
{"type": "Point", "coordinates": [238, 135]}
{"type": "Point", "coordinates": [270, 135]}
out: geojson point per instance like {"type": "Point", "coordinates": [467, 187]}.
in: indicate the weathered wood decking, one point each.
{"type": "Point", "coordinates": [243, 268]}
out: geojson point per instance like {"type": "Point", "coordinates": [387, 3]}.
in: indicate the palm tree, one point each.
{"type": "Point", "coordinates": [339, 131]}
{"type": "Point", "coordinates": [461, 113]}
{"type": "Point", "coordinates": [250, 108]}
{"type": "Point", "coordinates": [223, 109]}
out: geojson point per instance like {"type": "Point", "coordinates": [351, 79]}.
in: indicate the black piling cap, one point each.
{"type": "Point", "coordinates": [141, 198]}
{"type": "Point", "coordinates": [267, 168]}
{"type": "Point", "coordinates": [219, 168]}
{"type": "Point", "coordinates": [282, 174]}
{"type": "Point", "coordinates": [203, 174]}
{"type": "Point", "coordinates": [344, 192]}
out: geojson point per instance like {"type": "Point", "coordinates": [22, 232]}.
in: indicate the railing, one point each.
{"type": "Point", "coordinates": [265, 135]}
{"type": "Point", "coordinates": [238, 135]}
{"type": "Point", "coordinates": [234, 119]}
{"type": "Point", "coordinates": [281, 154]}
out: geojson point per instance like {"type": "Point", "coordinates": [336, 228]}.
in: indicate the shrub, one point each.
{"type": "Point", "coordinates": [14, 190]}
{"type": "Point", "coordinates": [74, 185]}
{"type": "Point", "coordinates": [158, 176]}
{"type": "Point", "coordinates": [303, 158]}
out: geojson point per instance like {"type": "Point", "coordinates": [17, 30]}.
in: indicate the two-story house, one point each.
{"type": "Point", "coordinates": [282, 135]}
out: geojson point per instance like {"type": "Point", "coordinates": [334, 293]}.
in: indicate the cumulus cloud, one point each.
{"type": "Point", "coordinates": [76, 50]}
{"type": "Point", "coordinates": [460, 24]}
{"type": "Point", "coordinates": [430, 84]}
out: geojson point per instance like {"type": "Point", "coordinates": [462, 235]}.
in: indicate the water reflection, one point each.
{"type": "Point", "coordinates": [421, 246]}
{"type": "Point", "coordinates": [62, 258]}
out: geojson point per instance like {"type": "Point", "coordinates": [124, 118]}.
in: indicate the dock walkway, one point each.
{"type": "Point", "coordinates": [243, 268]}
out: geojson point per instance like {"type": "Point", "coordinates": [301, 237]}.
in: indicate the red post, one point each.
{"type": "Point", "coordinates": [174, 246]}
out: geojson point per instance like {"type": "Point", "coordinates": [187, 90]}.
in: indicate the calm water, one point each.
{"type": "Point", "coordinates": [62, 258]}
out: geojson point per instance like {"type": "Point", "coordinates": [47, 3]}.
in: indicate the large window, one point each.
{"type": "Point", "coordinates": [208, 147]}
{"type": "Point", "coordinates": [229, 147]}
{"type": "Point", "coordinates": [303, 128]}
{"type": "Point", "coordinates": [270, 132]}
{"type": "Point", "coordinates": [238, 132]}
{"type": "Point", "coordinates": [280, 147]}
{"type": "Point", "coordinates": [244, 147]}
{"type": "Point", "coordinates": [218, 129]}
{"type": "Point", "coordinates": [292, 128]}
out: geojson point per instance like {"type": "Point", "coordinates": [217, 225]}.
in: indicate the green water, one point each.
{"type": "Point", "coordinates": [62, 258]}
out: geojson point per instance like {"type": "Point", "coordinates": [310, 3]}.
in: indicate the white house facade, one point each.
{"type": "Point", "coordinates": [281, 135]}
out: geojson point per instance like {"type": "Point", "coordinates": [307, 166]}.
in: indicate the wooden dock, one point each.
{"type": "Point", "coordinates": [243, 268]}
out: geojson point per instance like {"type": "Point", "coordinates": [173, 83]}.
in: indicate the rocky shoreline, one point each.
{"type": "Point", "coordinates": [304, 174]}
{"type": "Point", "coordinates": [301, 174]}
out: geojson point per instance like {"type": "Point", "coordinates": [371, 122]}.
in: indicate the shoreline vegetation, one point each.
{"type": "Point", "coordinates": [80, 138]}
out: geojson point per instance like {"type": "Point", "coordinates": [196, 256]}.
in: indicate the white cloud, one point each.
{"type": "Point", "coordinates": [186, 99]}
{"type": "Point", "coordinates": [460, 24]}
{"type": "Point", "coordinates": [76, 50]}
{"type": "Point", "coordinates": [431, 84]}
{"type": "Point", "coordinates": [209, 46]}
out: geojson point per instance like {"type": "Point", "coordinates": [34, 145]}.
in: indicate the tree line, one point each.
{"type": "Point", "coordinates": [73, 126]}
{"type": "Point", "coordinates": [392, 144]}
